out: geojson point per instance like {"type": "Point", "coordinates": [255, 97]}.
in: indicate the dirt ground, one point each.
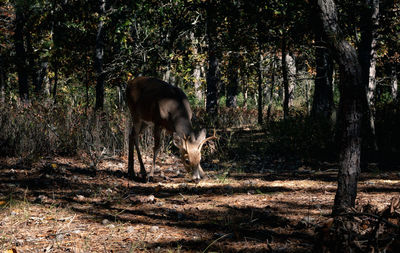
{"type": "Point", "coordinates": [62, 205]}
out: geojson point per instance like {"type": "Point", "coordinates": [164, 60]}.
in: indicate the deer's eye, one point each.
{"type": "Point", "coordinates": [187, 161]}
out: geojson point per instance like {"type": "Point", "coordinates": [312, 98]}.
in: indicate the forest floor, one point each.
{"type": "Point", "coordinates": [60, 204]}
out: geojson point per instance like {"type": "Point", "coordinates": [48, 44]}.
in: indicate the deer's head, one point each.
{"type": "Point", "coordinates": [190, 150]}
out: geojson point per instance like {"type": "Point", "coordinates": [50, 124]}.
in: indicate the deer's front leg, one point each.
{"type": "Point", "coordinates": [131, 170]}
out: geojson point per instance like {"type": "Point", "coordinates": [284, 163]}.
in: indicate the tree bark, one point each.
{"type": "Point", "coordinates": [271, 91]}
{"type": "Point", "coordinates": [33, 70]}
{"type": "Point", "coordinates": [2, 80]}
{"type": "Point", "coordinates": [394, 81]}
{"type": "Point", "coordinates": [351, 106]}
{"type": "Point", "coordinates": [197, 69]}
{"type": "Point", "coordinates": [55, 84]}
{"type": "Point", "coordinates": [98, 60]}
{"type": "Point", "coordinates": [286, 96]}
{"type": "Point", "coordinates": [323, 90]}
{"type": "Point", "coordinates": [213, 62]}
{"type": "Point", "coordinates": [41, 76]}
{"type": "Point", "coordinates": [291, 68]}
{"type": "Point", "coordinates": [20, 54]}
{"type": "Point", "coordinates": [259, 86]}
{"type": "Point", "coordinates": [233, 81]}
{"type": "Point", "coordinates": [367, 57]}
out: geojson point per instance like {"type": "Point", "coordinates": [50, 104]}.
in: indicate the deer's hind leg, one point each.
{"type": "Point", "coordinates": [156, 149]}
{"type": "Point", "coordinates": [137, 126]}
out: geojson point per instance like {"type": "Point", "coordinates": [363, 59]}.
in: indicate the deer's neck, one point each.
{"type": "Point", "coordinates": [183, 127]}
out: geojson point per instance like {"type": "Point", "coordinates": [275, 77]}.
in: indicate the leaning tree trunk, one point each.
{"type": "Point", "coordinates": [213, 63]}
{"type": "Point", "coordinates": [20, 54]}
{"type": "Point", "coordinates": [351, 106]}
{"type": "Point", "coordinates": [323, 90]}
{"type": "Point", "coordinates": [98, 60]}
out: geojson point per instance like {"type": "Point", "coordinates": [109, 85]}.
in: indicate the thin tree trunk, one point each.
{"type": "Point", "coordinates": [197, 82]}
{"type": "Point", "coordinates": [351, 107]}
{"type": "Point", "coordinates": [213, 68]}
{"type": "Point", "coordinates": [291, 67]}
{"type": "Point", "coordinates": [98, 60]}
{"type": "Point", "coordinates": [271, 91]}
{"type": "Point", "coordinates": [367, 57]}
{"type": "Point", "coordinates": [87, 89]}
{"type": "Point", "coordinates": [286, 96]}
{"type": "Point", "coordinates": [233, 81]}
{"type": "Point", "coordinates": [55, 84]}
{"type": "Point", "coordinates": [197, 69]}
{"type": "Point", "coordinates": [394, 82]}
{"type": "Point", "coordinates": [243, 80]}
{"type": "Point", "coordinates": [20, 54]}
{"type": "Point", "coordinates": [33, 72]}
{"type": "Point", "coordinates": [259, 85]}
{"type": "Point", "coordinates": [323, 90]}
{"type": "Point", "coordinates": [2, 81]}
{"type": "Point", "coordinates": [41, 76]}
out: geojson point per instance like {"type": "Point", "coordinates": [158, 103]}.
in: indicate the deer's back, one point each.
{"type": "Point", "coordinates": [156, 101]}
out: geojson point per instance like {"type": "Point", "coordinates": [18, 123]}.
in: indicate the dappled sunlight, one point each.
{"type": "Point", "coordinates": [82, 209]}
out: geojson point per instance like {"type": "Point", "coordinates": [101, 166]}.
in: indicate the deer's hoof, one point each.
{"type": "Point", "coordinates": [132, 177]}
{"type": "Point", "coordinates": [142, 178]}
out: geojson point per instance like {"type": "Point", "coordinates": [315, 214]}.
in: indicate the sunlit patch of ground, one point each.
{"type": "Point", "coordinates": [62, 205]}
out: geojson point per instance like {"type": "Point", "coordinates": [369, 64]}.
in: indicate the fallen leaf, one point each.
{"type": "Point", "coordinates": [11, 251]}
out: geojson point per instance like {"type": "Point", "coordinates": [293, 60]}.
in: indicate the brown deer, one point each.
{"type": "Point", "coordinates": [153, 101]}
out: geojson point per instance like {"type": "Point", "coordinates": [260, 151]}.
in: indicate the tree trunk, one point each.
{"type": "Point", "coordinates": [394, 81]}
{"type": "Point", "coordinates": [233, 81]}
{"type": "Point", "coordinates": [243, 82]}
{"type": "Point", "coordinates": [367, 57]}
{"type": "Point", "coordinates": [213, 68]}
{"type": "Point", "coordinates": [323, 90]}
{"type": "Point", "coordinates": [271, 91]}
{"type": "Point", "coordinates": [98, 60]}
{"type": "Point", "coordinates": [197, 69]}
{"type": "Point", "coordinates": [41, 76]}
{"type": "Point", "coordinates": [55, 84]}
{"type": "Point", "coordinates": [31, 61]}
{"type": "Point", "coordinates": [20, 54]}
{"type": "Point", "coordinates": [197, 82]}
{"type": "Point", "coordinates": [291, 67]}
{"type": "Point", "coordinates": [351, 107]}
{"type": "Point", "coordinates": [286, 96]}
{"type": "Point", "coordinates": [259, 84]}
{"type": "Point", "coordinates": [2, 81]}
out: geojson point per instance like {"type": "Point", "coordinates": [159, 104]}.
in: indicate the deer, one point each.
{"type": "Point", "coordinates": [152, 101]}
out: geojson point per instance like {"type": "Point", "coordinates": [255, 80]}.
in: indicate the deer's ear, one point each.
{"type": "Point", "coordinates": [177, 141]}
{"type": "Point", "coordinates": [202, 135]}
